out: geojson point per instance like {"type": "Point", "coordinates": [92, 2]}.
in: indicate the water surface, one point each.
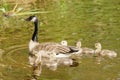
{"type": "Point", "coordinates": [90, 21]}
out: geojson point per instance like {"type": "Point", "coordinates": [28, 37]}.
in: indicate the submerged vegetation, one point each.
{"type": "Point", "coordinates": [90, 21]}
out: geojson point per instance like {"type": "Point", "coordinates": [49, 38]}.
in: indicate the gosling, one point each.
{"type": "Point", "coordinates": [85, 50]}
{"type": "Point", "coordinates": [104, 52]}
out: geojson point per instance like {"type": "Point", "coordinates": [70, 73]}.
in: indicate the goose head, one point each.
{"type": "Point", "coordinates": [78, 44]}
{"type": "Point", "coordinates": [32, 19]}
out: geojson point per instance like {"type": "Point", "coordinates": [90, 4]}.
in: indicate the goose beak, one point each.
{"type": "Point", "coordinates": [27, 19]}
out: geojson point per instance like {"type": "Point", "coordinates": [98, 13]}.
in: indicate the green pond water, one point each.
{"type": "Point", "coordinates": [90, 21]}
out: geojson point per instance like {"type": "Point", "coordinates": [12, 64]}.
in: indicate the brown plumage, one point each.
{"type": "Point", "coordinates": [54, 47]}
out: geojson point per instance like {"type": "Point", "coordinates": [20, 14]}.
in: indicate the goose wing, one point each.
{"type": "Point", "coordinates": [57, 48]}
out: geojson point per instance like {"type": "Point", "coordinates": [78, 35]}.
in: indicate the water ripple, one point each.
{"type": "Point", "coordinates": [10, 51]}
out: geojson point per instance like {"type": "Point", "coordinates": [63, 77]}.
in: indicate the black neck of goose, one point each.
{"type": "Point", "coordinates": [35, 34]}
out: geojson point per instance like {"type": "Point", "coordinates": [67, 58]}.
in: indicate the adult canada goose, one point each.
{"type": "Point", "coordinates": [104, 52]}
{"type": "Point", "coordinates": [49, 46]}
{"type": "Point", "coordinates": [35, 48]}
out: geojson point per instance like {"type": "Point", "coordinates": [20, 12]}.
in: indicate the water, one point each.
{"type": "Point", "coordinates": [72, 20]}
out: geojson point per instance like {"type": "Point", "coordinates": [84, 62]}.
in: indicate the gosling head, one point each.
{"type": "Point", "coordinates": [98, 45]}
{"type": "Point", "coordinates": [78, 44]}
{"type": "Point", "coordinates": [32, 18]}
{"type": "Point", "coordinates": [64, 42]}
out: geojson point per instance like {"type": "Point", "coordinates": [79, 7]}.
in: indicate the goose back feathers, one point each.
{"type": "Point", "coordinates": [54, 47]}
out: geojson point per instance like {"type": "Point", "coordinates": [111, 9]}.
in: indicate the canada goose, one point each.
{"type": "Point", "coordinates": [49, 46]}
{"type": "Point", "coordinates": [35, 48]}
{"type": "Point", "coordinates": [85, 50]}
{"type": "Point", "coordinates": [104, 52]}
{"type": "Point", "coordinates": [78, 46]}
{"type": "Point", "coordinates": [64, 42]}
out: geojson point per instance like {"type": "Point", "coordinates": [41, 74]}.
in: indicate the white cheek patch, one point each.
{"type": "Point", "coordinates": [34, 19]}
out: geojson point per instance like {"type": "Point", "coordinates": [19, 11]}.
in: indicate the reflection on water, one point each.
{"type": "Point", "coordinates": [71, 20]}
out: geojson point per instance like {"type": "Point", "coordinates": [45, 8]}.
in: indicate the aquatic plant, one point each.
{"type": "Point", "coordinates": [18, 11]}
